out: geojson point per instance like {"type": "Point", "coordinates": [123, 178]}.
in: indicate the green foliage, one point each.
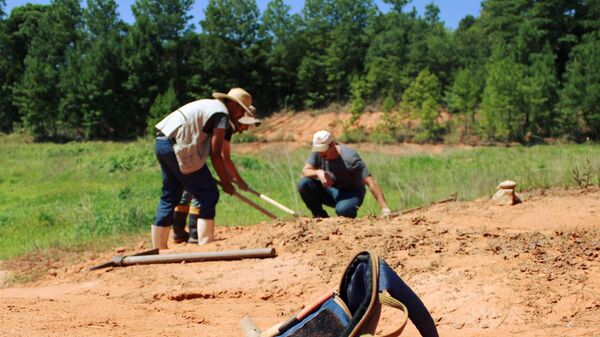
{"type": "Point", "coordinates": [162, 106]}
{"type": "Point", "coordinates": [233, 54]}
{"type": "Point", "coordinates": [37, 100]}
{"type": "Point", "coordinates": [382, 135]}
{"type": "Point", "coordinates": [422, 99]}
{"type": "Point", "coordinates": [353, 134]}
{"type": "Point", "coordinates": [92, 94]}
{"type": "Point", "coordinates": [358, 93]}
{"type": "Point", "coordinates": [388, 103]}
{"type": "Point", "coordinates": [244, 138]}
{"type": "Point", "coordinates": [425, 87]}
{"type": "Point", "coordinates": [540, 94]}
{"type": "Point", "coordinates": [155, 47]}
{"type": "Point", "coordinates": [281, 31]}
{"type": "Point", "coordinates": [71, 73]}
{"type": "Point", "coordinates": [75, 194]}
{"type": "Point", "coordinates": [580, 97]}
{"type": "Point", "coordinates": [464, 96]}
{"type": "Point", "coordinates": [502, 98]}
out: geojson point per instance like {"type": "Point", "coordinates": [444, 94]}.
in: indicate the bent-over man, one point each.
{"type": "Point", "coordinates": [184, 211]}
{"type": "Point", "coordinates": [185, 140]}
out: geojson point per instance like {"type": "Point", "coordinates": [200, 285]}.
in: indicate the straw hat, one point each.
{"type": "Point", "coordinates": [243, 99]}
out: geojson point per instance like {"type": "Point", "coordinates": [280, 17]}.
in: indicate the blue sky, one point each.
{"type": "Point", "coordinates": [451, 11]}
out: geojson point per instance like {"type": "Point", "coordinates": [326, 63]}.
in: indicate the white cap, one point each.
{"type": "Point", "coordinates": [321, 141]}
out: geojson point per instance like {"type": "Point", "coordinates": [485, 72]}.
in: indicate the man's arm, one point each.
{"type": "Point", "coordinates": [230, 166]}
{"type": "Point", "coordinates": [216, 144]}
{"type": "Point", "coordinates": [312, 172]}
{"type": "Point", "coordinates": [378, 194]}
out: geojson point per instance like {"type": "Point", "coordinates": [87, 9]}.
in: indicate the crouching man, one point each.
{"type": "Point", "coordinates": [335, 175]}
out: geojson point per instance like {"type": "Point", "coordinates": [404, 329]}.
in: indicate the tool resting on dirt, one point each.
{"type": "Point", "coordinates": [152, 257]}
{"type": "Point", "coordinates": [354, 310]}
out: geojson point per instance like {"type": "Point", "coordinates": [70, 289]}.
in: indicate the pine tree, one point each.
{"type": "Point", "coordinates": [235, 53]}
{"type": "Point", "coordinates": [20, 28]}
{"type": "Point", "coordinates": [316, 26]}
{"type": "Point", "coordinates": [281, 31]}
{"type": "Point", "coordinates": [502, 103]}
{"type": "Point", "coordinates": [93, 96]}
{"type": "Point", "coordinates": [152, 52]}
{"type": "Point", "coordinates": [5, 96]}
{"type": "Point", "coordinates": [36, 95]}
{"type": "Point", "coordinates": [422, 98]}
{"type": "Point", "coordinates": [464, 95]}
{"type": "Point", "coordinates": [580, 98]}
{"type": "Point", "coordinates": [345, 54]}
{"type": "Point", "coordinates": [387, 56]}
{"type": "Point", "coordinates": [540, 94]}
{"type": "Point", "coordinates": [163, 105]}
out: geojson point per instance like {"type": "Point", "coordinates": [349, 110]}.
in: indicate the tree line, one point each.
{"type": "Point", "coordinates": [522, 70]}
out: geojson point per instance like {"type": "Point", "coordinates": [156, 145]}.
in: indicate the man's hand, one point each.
{"type": "Point", "coordinates": [325, 178]}
{"type": "Point", "coordinates": [228, 188]}
{"type": "Point", "coordinates": [386, 212]}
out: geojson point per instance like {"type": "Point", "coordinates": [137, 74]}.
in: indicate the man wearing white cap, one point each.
{"type": "Point", "coordinates": [335, 175]}
{"type": "Point", "coordinates": [185, 140]}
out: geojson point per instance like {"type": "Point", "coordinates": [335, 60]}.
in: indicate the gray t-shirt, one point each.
{"type": "Point", "coordinates": [348, 170]}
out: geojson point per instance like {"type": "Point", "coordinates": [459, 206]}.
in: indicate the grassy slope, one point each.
{"type": "Point", "coordinates": [73, 195]}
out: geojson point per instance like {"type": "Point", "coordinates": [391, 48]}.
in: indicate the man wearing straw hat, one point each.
{"type": "Point", "coordinates": [185, 140]}
{"type": "Point", "coordinates": [335, 175]}
{"type": "Point", "coordinates": [184, 211]}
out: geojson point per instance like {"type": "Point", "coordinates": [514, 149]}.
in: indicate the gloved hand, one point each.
{"type": "Point", "coordinates": [386, 212]}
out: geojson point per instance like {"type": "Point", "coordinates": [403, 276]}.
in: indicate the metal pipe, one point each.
{"type": "Point", "coordinates": [197, 257]}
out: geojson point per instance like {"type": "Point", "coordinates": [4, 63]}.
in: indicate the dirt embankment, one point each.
{"type": "Point", "coordinates": [482, 270]}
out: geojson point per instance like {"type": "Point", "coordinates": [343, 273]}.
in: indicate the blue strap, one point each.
{"type": "Point", "coordinates": [417, 312]}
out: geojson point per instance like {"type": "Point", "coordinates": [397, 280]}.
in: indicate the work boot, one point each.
{"type": "Point", "coordinates": [193, 224]}
{"type": "Point", "coordinates": [179, 217]}
{"type": "Point", "coordinates": [206, 231]}
{"type": "Point", "coordinates": [160, 236]}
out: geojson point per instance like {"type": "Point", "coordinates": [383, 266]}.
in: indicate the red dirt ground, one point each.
{"type": "Point", "coordinates": [482, 270]}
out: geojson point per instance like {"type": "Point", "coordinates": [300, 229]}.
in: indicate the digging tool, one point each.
{"type": "Point", "coordinates": [251, 203]}
{"type": "Point", "coordinates": [273, 202]}
{"type": "Point", "coordinates": [152, 257]}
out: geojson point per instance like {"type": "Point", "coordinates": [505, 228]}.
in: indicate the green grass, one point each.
{"type": "Point", "coordinates": [78, 195]}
